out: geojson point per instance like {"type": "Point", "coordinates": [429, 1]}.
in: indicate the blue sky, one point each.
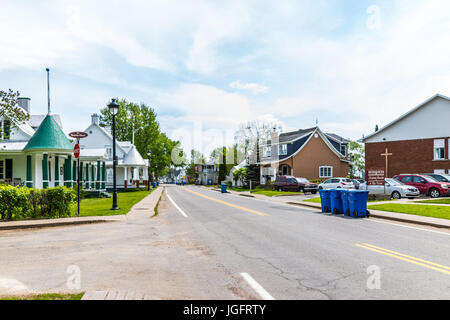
{"type": "Point", "coordinates": [215, 64]}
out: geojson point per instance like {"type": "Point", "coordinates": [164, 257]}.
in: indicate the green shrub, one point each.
{"type": "Point", "coordinates": [18, 203]}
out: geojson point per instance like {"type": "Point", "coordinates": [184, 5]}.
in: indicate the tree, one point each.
{"type": "Point", "coordinates": [357, 158]}
{"type": "Point", "coordinates": [223, 166]}
{"type": "Point", "coordinates": [239, 175]}
{"type": "Point", "coordinates": [197, 158]}
{"type": "Point", "coordinates": [138, 123]}
{"type": "Point", "coordinates": [11, 112]}
{"type": "Point", "coordinates": [251, 135]}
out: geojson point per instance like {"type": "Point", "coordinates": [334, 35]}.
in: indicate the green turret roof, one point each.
{"type": "Point", "coordinates": [49, 136]}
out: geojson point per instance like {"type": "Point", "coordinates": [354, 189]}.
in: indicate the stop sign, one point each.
{"type": "Point", "coordinates": [76, 151]}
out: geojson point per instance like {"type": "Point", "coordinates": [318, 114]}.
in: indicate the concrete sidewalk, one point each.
{"type": "Point", "coordinates": [394, 216]}
{"type": "Point", "coordinates": [144, 208]}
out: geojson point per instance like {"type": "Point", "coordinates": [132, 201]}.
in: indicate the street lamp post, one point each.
{"type": "Point", "coordinates": [149, 153]}
{"type": "Point", "coordinates": [113, 109]}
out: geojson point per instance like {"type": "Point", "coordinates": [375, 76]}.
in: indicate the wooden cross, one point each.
{"type": "Point", "coordinates": [387, 154]}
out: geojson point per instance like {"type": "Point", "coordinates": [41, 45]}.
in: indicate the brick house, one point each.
{"type": "Point", "coordinates": [308, 153]}
{"type": "Point", "coordinates": [417, 142]}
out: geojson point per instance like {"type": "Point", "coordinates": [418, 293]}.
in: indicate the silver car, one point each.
{"type": "Point", "coordinates": [337, 183]}
{"type": "Point", "coordinates": [396, 189]}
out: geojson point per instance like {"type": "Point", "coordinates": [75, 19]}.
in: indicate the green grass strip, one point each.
{"type": "Point", "coordinates": [415, 209]}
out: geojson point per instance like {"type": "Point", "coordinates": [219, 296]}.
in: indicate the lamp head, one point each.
{"type": "Point", "coordinates": [113, 107]}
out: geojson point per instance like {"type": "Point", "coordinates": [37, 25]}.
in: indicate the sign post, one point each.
{"type": "Point", "coordinates": [76, 153]}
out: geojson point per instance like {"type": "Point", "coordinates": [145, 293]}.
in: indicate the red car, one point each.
{"type": "Point", "coordinates": [289, 183]}
{"type": "Point", "coordinates": [426, 185]}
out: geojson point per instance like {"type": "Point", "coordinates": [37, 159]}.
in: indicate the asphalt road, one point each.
{"type": "Point", "coordinates": [208, 245]}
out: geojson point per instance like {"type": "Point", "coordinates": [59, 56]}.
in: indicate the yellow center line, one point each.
{"type": "Point", "coordinates": [227, 203]}
{"type": "Point", "coordinates": [406, 256]}
{"type": "Point", "coordinates": [401, 256]}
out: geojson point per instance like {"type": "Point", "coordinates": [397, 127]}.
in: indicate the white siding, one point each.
{"type": "Point", "coordinates": [430, 121]}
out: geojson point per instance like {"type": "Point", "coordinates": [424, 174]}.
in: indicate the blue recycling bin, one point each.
{"type": "Point", "coordinates": [345, 204]}
{"type": "Point", "coordinates": [154, 184]}
{"type": "Point", "coordinates": [157, 183]}
{"type": "Point", "coordinates": [325, 200]}
{"type": "Point", "coordinates": [223, 188]}
{"type": "Point", "coordinates": [336, 201]}
{"type": "Point", "coordinates": [357, 201]}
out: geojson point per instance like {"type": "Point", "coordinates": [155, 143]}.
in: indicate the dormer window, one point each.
{"type": "Point", "coordinates": [282, 149]}
{"type": "Point", "coordinates": [344, 149]}
{"type": "Point", "coordinates": [5, 129]}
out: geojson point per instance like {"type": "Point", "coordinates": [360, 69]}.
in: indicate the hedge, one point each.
{"type": "Point", "coordinates": [17, 203]}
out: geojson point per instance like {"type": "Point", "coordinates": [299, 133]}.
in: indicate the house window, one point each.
{"type": "Point", "coordinates": [109, 152]}
{"type": "Point", "coordinates": [344, 149]}
{"type": "Point", "coordinates": [267, 151]}
{"type": "Point", "coordinates": [439, 149]}
{"type": "Point", "coordinates": [285, 170]}
{"type": "Point", "coordinates": [325, 172]}
{"type": "Point", "coordinates": [282, 149]}
{"type": "Point", "coordinates": [2, 169]}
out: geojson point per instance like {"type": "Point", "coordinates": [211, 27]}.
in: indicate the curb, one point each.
{"type": "Point", "coordinates": [52, 224]}
{"type": "Point", "coordinates": [423, 223]}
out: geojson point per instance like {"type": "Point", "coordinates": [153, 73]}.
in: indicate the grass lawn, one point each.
{"type": "Point", "coordinates": [102, 207]}
{"type": "Point", "coordinates": [415, 209]}
{"type": "Point", "coordinates": [46, 296]}
{"type": "Point", "coordinates": [438, 201]}
{"type": "Point", "coordinates": [273, 193]}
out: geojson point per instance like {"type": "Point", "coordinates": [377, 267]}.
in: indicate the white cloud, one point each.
{"type": "Point", "coordinates": [253, 87]}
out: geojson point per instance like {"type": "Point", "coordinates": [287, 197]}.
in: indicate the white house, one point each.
{"type": "Point", "coordinates": [38, 154]}
{"type": "Point", "coordinates": [132, 169]}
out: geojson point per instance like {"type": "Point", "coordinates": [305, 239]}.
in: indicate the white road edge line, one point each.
{"type": "Point", "coordinates": [176, 206]}
{"type": "Point", "coordinates": [409, 227]}
{"type": "Point", "coordinates": [257, 287]}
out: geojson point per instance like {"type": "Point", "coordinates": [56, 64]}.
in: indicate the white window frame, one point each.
{"type": "Point", "coordinates": [324, 175]}
{"type": "Point", "coordinates": [282, 149]}
{"type": "Point", "coordinates": [439, 144]}
{"type": "Point", "coordinates": [267, 151]}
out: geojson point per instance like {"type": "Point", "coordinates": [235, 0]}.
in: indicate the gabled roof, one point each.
{"type": "Point", "coordinates": [106, 133]}
{"type": "Point", "coordinates": [49, 136]}
{"type": "Point", "coordinates": [133, 157]}
{"type": "Point", "coordinates": [405, 115]}
{"type": "Point", "coordinates": [305, 139]}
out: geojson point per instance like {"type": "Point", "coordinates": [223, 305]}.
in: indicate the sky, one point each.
{"type": "Point", "coordinates": [208, 66]}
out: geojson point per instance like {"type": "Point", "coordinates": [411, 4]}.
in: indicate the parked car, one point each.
{"type": "Point", "coordinates": [426, 184]}
{"type": "Point", "coordinates": [439, 176]}
{"type": "Point", "coordinates": [290, 183]}
{"type": "Point", "coordinates": [306, 186]}
{"type": "Point", "coordinates": [359, 184]}
{"type": "Point", "coordinates": [396, 189]}
{"type": "Point", "coordinates": [337, 183]}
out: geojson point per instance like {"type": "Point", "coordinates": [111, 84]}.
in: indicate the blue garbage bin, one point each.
{"type": "Point", "coordinates": [223, 188]}
{"type": "Point", "coordinates": [357, 200]}
{"type": "Point", "coordinates": [154, 184]}
{"type": "Point", "coordinates": [345, 206]}
{"type": "Point", "coordinates": [157, 183]}
{"type": "Point", "coordinates": [325, 200]}
{"type": "Point", "coordinates": [336, 201]}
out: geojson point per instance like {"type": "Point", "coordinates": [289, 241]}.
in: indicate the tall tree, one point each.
{"type": "Point", "coordinates": [138, 123]}
{"type": "Point", "coordinates": [10, 111]}
{"type": "Point", "coordinates": [357, 157]}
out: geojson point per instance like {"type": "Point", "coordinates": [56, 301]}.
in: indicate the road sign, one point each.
{"type": "Point", "coordinates": [375, 177]}
{"type": "Point", "coordinates": [76, 151]}
{"type": "Point", "coordinates": [78, 135]}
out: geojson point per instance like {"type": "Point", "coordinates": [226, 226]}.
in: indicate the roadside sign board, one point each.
{"type": "Point", "coordinates": [78, 135]}
{"type": "Point", "coordinates": [76, 151]}
{"type": "Point", "coordinates": [375, 177]}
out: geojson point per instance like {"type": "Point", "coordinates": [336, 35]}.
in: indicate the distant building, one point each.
{"type": "Point", "coordinates": [132, 169]}
{"type": "Point", "coordinates": [308, 153]}
{"type": "Point", "coordinates": [208, 173]}
{"type": "Point", "coordinates": [417, 142]}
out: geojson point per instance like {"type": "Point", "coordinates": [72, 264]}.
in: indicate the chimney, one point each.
{"type": "Point", "coordinates": [95, 119]}
{"type": "Point", "coordinates": [24, 103]}
{"type": "Point", "coordinates": [274, 135]}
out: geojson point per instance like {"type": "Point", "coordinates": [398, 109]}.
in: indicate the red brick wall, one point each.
{"type": "Point", "coordinates": [409, 156]}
